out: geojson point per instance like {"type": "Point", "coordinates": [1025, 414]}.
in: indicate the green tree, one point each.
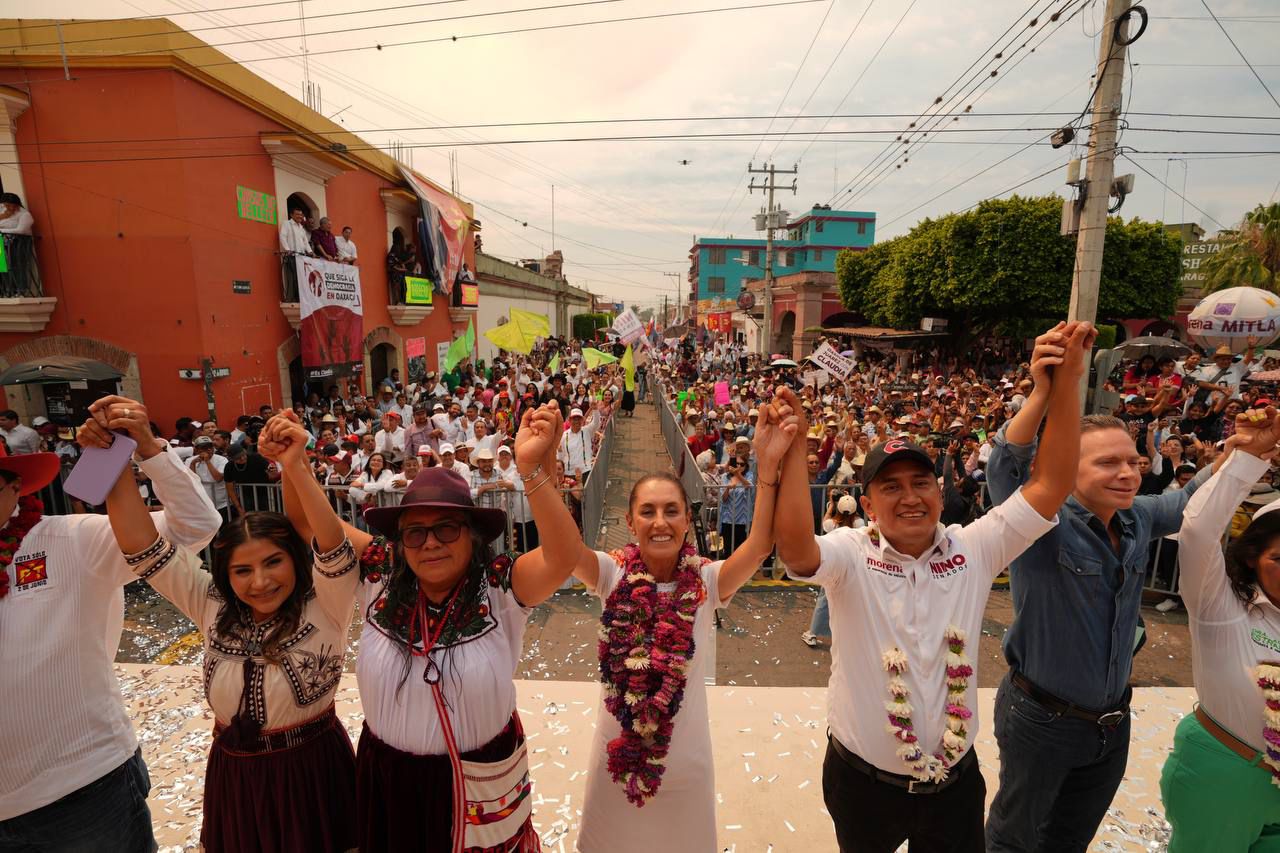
{"type": "Point", "coordinates": [1004, 262]}
{"type": "Point", "coordinates": [1250, 254]}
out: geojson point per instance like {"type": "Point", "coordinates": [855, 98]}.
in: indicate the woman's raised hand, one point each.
{"type": "Point", "coordinates": [538, 438]}
{"type": "Point", "coordinates": [284, 440]}
{"type": "Point", "coordinates": [776, 428]}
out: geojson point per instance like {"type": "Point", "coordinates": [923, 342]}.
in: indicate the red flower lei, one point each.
{"type": "Point", "coordinates": [646, 645]}
{"type": "Point", "coordinates": [30, 511]}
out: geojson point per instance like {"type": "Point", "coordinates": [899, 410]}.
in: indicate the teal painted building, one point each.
{"type": "Point", "coordinates": [721, 266]}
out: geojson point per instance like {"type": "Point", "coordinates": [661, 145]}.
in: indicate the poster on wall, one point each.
{"type": "Point", "coordinates": [332, 318]}
{"type": "Point", "coordinates": [417, 290]}
{"type": "Point", "coordinates": [470, 295]}
{"type": "Point", "coordinates": [415, 350]}
{"type": "Point", "coordinates": [442, 352]}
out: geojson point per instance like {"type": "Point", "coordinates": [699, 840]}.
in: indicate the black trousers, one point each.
{"type": "Point", "coordinates": [526, 536]}
{"type": "Point", "coordinates": [731, 535]}
{"type": "Point", "coordinates": [876, 817]}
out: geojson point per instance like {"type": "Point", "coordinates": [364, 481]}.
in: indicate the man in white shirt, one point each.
{"type": "Point", "coordinates": [907, 598]}
{"type": "Point", "coordinates": [521, 518]}
{"type": "Point", "coordinates": [293, 234]}
{"type": "Point", "coordinates": [208, 466]}
{"type": "Point", "coordinates": [390, 440]}
{"type": "Point", "coordinates": [1225, 372]}
{"type": "Point", "coordinates": [71, 774]}
{"type": "Point", "coordinates": [483, 440]}
{"type": "Point", "coordinates": [575, 447]}
{"type": "Point", "coordinates": [19, 438]}
{"type": "Point", "coordinates": [450, 463]}
{"type": "Point", "coordinates": [346, 247]}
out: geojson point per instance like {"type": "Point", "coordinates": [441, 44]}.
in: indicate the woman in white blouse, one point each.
{"type": "Point", "coordinates": [274, 615]}
{"type": "Point", "coordinates": [376, 477]}
{"type": "Point", "coordinates": [1219, 785]}
{"type": "Point", "coordinates": [442, 764]}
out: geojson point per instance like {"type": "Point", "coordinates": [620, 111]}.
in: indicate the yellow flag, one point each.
{"type": "Point", "coordinates": [510, 337]}
{"type": "Point", "coordinates": [629, 369]}
{"type": "Point", "coordinates": [594, 358]}
{"type": "Point", "coordinates": [533, 324]}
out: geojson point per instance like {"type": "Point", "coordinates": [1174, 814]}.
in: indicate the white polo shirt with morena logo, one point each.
{"type": "Point", "coordinates": [881, 599]}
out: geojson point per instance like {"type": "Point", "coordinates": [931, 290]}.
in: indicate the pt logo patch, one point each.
{"type": "Point", "coordinates": [31, 573]}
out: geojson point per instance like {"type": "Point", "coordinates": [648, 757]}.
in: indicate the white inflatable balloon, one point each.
{"type": "Point", "coordinates": [1230, 317]}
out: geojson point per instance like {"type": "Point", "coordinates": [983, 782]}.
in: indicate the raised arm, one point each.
{"type": "Point", "coordinates": [1054, 474]}
{"type": "Point", "coordinates": [793, 530]}
{"type": "Point", "coordinates": [775, 431]}
{"type": "Point", "coordinates": [540, 572]}
{"type": "Point", "coordinates": [1026, 423]}
{"type": "Point", "coordinates": [1203, 584]}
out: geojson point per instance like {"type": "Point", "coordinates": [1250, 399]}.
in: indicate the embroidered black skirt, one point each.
{"type": "Point", "coordinates": [287, 791]}
{"type": "Point", "coordinates": [405, 801]}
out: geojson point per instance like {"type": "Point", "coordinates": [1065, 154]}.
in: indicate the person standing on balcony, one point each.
{"type": "Point", "coordinates": [71, 773]}
{"type": "Point", "coordinates": [14, 218]}
{"type": "Point", "coordinates": [346, 247]}
{"type": "Point", "coordinates": [293, 234]}
{"type": "Point", "coordinates": [322, 240]}
{"type": "Point", "coordinates": [399, 258]}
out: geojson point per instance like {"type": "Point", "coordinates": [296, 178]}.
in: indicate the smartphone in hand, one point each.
{"type": "Point", "coordinates": [98, 469]}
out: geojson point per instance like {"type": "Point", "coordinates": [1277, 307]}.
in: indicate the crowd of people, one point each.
{"type": "Point", "coordinates": [950, 472]}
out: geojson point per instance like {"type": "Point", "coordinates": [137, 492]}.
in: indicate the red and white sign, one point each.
{"type": "Point", "coordinates": [332, 318]}
{"type": "Point", "coordinates": [831, 361]}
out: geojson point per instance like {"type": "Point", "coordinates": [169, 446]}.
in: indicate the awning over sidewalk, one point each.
{"type": "Point", "coordinates": [58, 368]}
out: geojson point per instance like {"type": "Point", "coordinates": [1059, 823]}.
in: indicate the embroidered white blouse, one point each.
{"type": "Point", "coordinates": [475, 664]}
{"type": "Point", "coordinates": [301, 686]}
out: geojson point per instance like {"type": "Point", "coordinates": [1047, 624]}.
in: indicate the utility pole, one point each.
{"type": "Point", "coordinates": [1101, 167]}
{"type": "Point", "coordinates": [679, 283]}
{"type": "Point", "coordinates": [771, 221]}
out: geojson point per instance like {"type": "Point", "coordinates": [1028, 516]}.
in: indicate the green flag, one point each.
{"type": "Point", "coordinates": [461, 348]}
{"type": "Point", "coordinates": [553, 366]}
{"type": "Point", "coordinates": [594, 358]}
{"type": "Point", "coordinates": [471, 337]}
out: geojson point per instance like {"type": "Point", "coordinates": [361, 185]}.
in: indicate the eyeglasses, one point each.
{"type": "Point", "coordinates": [445, 532]}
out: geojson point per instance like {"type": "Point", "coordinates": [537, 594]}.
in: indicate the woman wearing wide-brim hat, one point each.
{"type": "Point", "coordinates": [441, 764]}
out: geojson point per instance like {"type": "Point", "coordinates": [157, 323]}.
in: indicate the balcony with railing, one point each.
{"type": "Point", "coordinates": [23, 305]}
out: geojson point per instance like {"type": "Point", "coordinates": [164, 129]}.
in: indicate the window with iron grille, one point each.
{"type": "Point", "coordinates": [717, 255]}
{"type": "Point", "coordinates": [715, 284]}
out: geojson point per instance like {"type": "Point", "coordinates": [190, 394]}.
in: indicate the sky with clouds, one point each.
{"type": "Point", "coordinates": [627, 211]}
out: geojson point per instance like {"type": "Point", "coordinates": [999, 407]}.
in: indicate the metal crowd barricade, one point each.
{"type": "Point", "coordinates": [682, 460]}
{"type": "Point", "coordinates": [595, 489]}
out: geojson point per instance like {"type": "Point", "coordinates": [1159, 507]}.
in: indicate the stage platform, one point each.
{"type": "Point", "coordinates": [769, 744]}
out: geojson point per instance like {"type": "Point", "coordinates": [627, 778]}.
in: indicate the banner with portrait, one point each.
{"type": "Point", "coordinates": [332, 318]}
{"type": "Point", "coordinates": [445, 235]}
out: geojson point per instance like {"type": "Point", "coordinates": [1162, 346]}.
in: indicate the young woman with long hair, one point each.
{"type": "Point", "coordinates": [442, 764]}
{"type": "Point", "coordinates": [1219, 785]}
{"type": "Point", "coordinates": [650, 780]}
{"type": "Point", "coordinates": [274, 615]}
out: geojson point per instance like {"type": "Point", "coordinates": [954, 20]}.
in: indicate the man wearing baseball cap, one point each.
{"type": "Point", "coordinates": [576, 450]}
{"type": "Point", "coordinates": [906, 598]}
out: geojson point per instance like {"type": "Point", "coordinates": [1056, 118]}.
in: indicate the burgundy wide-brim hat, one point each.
{"type": "Point", "coordinates": [438, 488]}
{"type": "Point", "coordinates": [37, 470]}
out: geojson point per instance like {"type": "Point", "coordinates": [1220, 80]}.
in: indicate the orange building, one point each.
{"type": "Point", "coordinates": [158, 171]}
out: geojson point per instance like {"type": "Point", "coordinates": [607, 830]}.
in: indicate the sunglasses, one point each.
{"type": "Point", "coordinates": [445, 532]}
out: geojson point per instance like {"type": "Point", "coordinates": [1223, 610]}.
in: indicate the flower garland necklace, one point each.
{"type": "Point", "coordinates": [646, 646]}
{"type": "Point", "coordinates": [30, 511]}
{"type": "Point", "coordinates": [1268, 678]}
{"type": "Point", "coordinates": [935, 767]}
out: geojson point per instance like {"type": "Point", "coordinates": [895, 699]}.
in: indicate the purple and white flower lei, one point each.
{"type": "Point", "coordinates": [955, 738]}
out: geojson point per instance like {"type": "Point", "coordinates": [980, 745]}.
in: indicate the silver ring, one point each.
{"type": "Point", "coordinates": [128, 413]}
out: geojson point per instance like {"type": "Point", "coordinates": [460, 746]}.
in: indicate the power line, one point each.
{"type": "Point", "coordinates": [653, 120]}
{"type": "Point", "coordinates": [869, 171]}
{"type": "Point", "coordinates": [289, 20]}
{"type": "Point", "coordinates": [878, 169]}
{"type": "Point", "coordinates": [863, 73]}
{"type": "Point", "coordinates": [1171, 189]}
{"type": "Point", "coordinates": [781, 103]}
{"type": "Point", "coordinates": [1261, 82]}
{"type": "Point", "coordinates": [454, 38]}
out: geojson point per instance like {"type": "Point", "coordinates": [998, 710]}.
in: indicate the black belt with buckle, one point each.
{"type": "Point", "coordinates": [1107, 719]}
{"type": "Point", "coordinates": [910, 784]}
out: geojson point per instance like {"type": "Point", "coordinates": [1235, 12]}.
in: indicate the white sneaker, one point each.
{"type": "Point", "coordinates": [1167, 605]}
{"type": "Point", "coordinates": [810, 640]}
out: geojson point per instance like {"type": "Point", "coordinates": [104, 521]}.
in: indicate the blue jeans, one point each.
{"type": "Point", "coordinates": [1058, 775]}
{"type": "Point", "coordinates": [820, 624]}
{"type": "Point", "coordinates": [109, 815]}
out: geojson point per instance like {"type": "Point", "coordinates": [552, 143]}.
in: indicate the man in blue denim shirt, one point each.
{"type": "Point", "coordinates": [1062, 712]}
